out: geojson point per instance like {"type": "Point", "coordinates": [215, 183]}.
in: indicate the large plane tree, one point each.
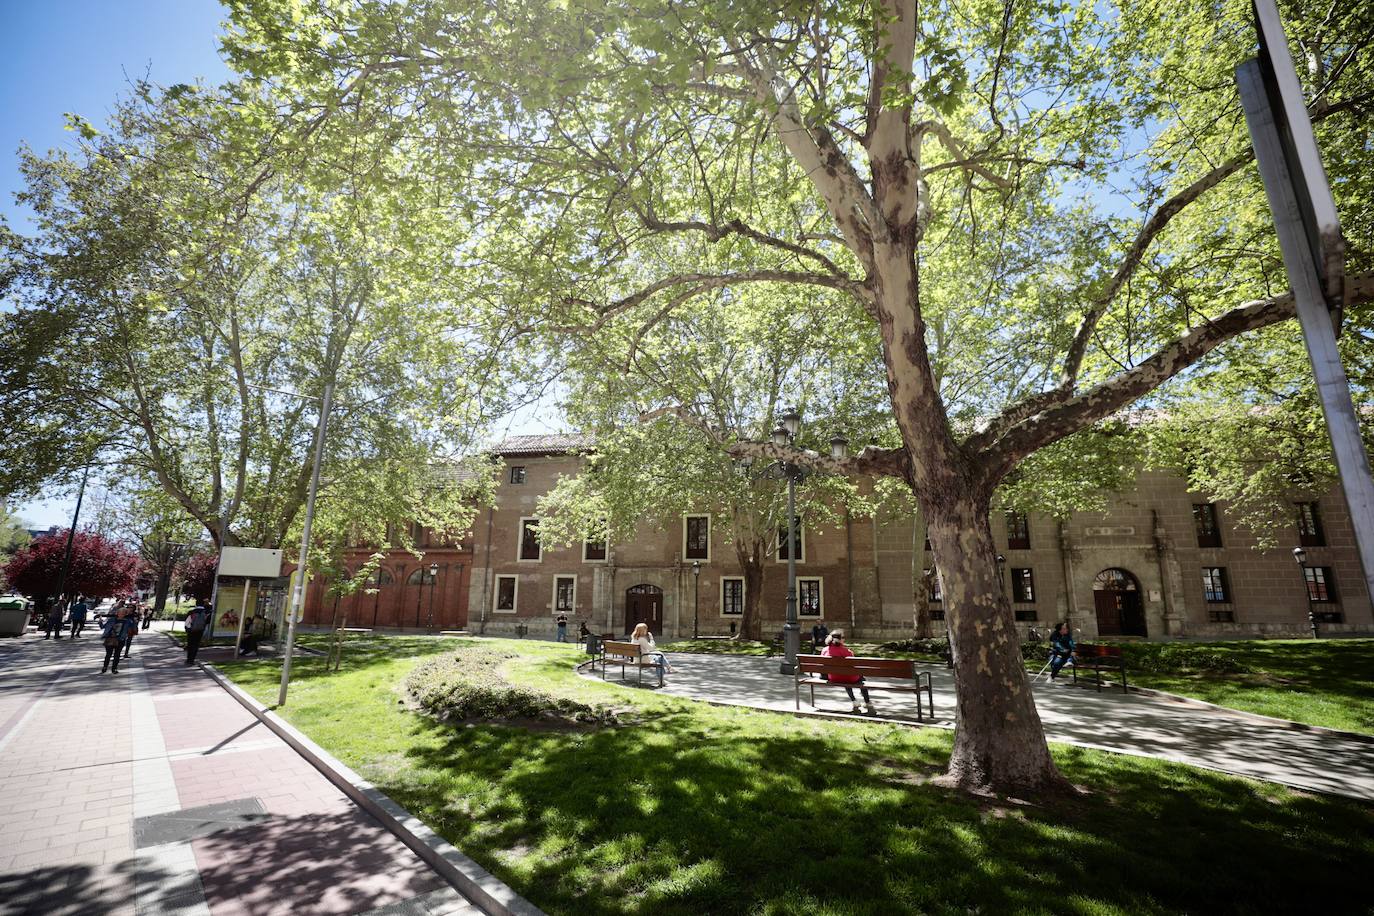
{"type": "Point", "coordinates": [1043, 211]}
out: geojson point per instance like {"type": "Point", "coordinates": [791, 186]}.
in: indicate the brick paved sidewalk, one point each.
{"type": "Point", "coordinates": [154, 791]}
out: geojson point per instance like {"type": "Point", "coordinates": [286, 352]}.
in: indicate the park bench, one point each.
{"type": "Point", "coordinates": [626, 653]}
{"type": "Point", "coordinates": [895, 672]}
{"type": "Point", "coordinates": [1092, 657]}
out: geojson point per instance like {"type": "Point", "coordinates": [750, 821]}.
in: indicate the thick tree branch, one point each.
{"type": "Point", "coordinates": [1070, 415]}
{"type": "Point", "coordinates": [961, 159]}
{"type": "Point", "coordinates": [716, 232]}
{"type": "Point", "coordinates": [896, 171]}
{"type": "Point", "coordinates": [700, 283]}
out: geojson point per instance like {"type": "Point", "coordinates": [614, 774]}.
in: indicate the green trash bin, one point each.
{"type": "Point", "coordinates": [13, 618]}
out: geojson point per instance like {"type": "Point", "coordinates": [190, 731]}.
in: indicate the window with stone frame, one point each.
{"type": "Point", "coordinates": [809, 598]}
{"type": "Point", "coordinates": [565, 594]}
{"type": "Point", "coordinates": [732, 596]}
{"type": "Point", "coordinates": [594, 549]}
{"type": "Point", "coordinates": [784, 543]}
{"type": "Point", "coordinates": [1018, 530]}
{"type": "Point", "coordinates": [530, 548]}
{"type": "Point", "coordinates": [1321, 585]}
{"type": "Point", "coordinates": [1207, 524]}
{"type": "Point", "coordinates": [697, 537]}
{"type": "Point", "coordinates": [935, 592]}
{"type": "Point", "coordinates": [1216, 589]}
{"type": "Point", "coordinates": [517, 474]}
{"type": "Point", "coordinates": [505, 593]}
{"type": "Point", "coordinates": [1310, 531]}
{"type": "Point", "coordinates": [1022, 586]}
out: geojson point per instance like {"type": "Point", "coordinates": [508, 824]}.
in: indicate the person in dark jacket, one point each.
{"type": "Point", "coordinates": [78, 616]}
{"type": "Point", "coordinates": [819, 632]}
{"type": "Point", "coordinates": [116, 634]}
{"type": "Point", "coordinates": [1062, 648]}
{"type": "Point", "coordinates": [54, 620]}
{"type": "Point", "coordinates": [196, 622]}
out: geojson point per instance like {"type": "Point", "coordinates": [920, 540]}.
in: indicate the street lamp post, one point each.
{"type": "Point", "coordinates": [1300, 556]}
{"type": "Point", "coordinates": [433, 577]}
{"type": "Point", "coordinates": [71, 536]}
{"type": "Point", "coordinates": [696, 597]}
{"type": "Point", "coordinates": [783, 437]}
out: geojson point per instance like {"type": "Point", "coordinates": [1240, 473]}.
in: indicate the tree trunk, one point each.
{"type": "Point", "coordinates": [751, 567]}
{"type": "Point", "coordinates": [999, 744]}
{"type": "Point", "coordinates": [920, 578]}
{"type": "Point", "coordinates": [164, 585]}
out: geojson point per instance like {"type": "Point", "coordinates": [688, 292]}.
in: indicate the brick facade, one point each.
{"type": "Point", "coordinates": [864, 571]}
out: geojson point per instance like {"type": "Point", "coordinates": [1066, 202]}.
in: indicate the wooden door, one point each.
{"type": "Point", "coordinates": [644, 604]}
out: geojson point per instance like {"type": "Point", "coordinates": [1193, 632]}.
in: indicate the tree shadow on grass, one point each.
{"type": "Point", "coordinates": [741, 814]}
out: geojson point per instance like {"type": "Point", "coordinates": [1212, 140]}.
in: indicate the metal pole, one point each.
{"type": "Point", "coordinates": [791, 631]}
{"type": "Point", "coordinates": [71, 536]}
{"type": "Point", "coordinates": [298, 593]}
{"type": "Point", "coordinates": [243, 610]}
{"type": "Point", "coordinates": [696, 601]}
{"type": "Point", "coordinates": [1314, 316]}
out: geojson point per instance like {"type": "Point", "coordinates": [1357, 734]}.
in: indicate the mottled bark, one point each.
{"type": "Point", "coordinates": [999, 743]}
{"type": "Point", "coordinates": [751, 567]}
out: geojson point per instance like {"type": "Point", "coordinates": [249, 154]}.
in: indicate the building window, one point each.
{"type": "Point", "coordinates": [1310, 533]}
{"type": "Point", "coordinates": [594, 550]}
{"type": "Point", "coordinates": [1022, 587]}
{"type": "Point", "coordinates": [934, 592]}
{"type": "Point", "coordinates": [1321, 586]}
{"type": "Point", "coordinates": [1028, 616]}
{"type": "Point", "coordinates": [529, 539]}
{"type": "Point", "coordinates": [1208, 531]}
{"type": "Point", "coordinates": [809, 599]}
{"type": "Point", "coordinates": [1018, 530]}
{"type": "Point", "coordinates": [507, 587]}
{"type": "Point", "coordinates": [732, 597]}
{"type": "Point", "coordinates": [784, 544]}
{"type": "Point", "coordinates": [517, 473]}
{"type": "Point", "coordinates": [696, 537]}
{"type": "Point", "coordinates": [1215, 588]}
{"type": "Point", "coordinates": [1220, 615]}
{"type": "Point", "coordinates": [937, 613]}
{"type": "Point", "coordinates": [565, 594]}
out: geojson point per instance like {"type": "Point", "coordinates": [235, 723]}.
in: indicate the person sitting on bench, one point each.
{"type": "Point", "coordinates": [1062, 649]}
{"type": "Point", "coordinates": [648, 650]}
{"type": "Point", "coordinates": [835, 648]}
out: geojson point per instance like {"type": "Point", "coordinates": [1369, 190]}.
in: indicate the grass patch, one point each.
{"type": "Point", "coordinates": [702, 809]}
{"type": "Point", "coordinates": [1327, 682]}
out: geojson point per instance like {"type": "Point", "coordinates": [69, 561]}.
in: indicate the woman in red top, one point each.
{"type": "Point", "coordinates": [835, 648]}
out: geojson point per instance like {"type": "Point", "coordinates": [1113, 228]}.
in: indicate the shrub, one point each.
{"type": "Point", "coordinates": [468, 685]}
{"type": "Point", "coordinates": [927, 646]}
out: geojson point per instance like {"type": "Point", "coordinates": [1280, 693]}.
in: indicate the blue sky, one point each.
{"type": "Point", "coordinates": [79, 55]}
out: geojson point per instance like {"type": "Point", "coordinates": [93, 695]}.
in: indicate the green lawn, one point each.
{"type": "Point", "coordinates": [700, 809]}
{"type": "Point", "coordinates": [1326, 682]}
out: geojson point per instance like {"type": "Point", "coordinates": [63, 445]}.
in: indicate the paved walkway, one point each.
{"type": "Point", "coordinates": [154, 791]}
{"type": "Point", "coordinates": [1110, 720]}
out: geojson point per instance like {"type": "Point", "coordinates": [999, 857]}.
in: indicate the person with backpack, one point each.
{"type": "Point", "coordinates": [196, 622]}
{"type": "Point", "coordinates": [117, 632]}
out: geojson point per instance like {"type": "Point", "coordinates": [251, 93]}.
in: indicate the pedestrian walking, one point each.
{"type": "Point", "coordinates": [196, 622]}
{"type": "Point", "coordinates": [79, 612]}
{"type": "Point", "coordinates": [118, 628]}
{"type": "Point", "coordinates": [133, 627]}
{"type": "Point", "coordinates": [562, 621]}
{"type": "Point", "coordinates": [147, 617]}
{"type": "Point", "coordinates": [54, 620]}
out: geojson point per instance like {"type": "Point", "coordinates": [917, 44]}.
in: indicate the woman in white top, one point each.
{"type": "Point", "coordinates": [645, 640]}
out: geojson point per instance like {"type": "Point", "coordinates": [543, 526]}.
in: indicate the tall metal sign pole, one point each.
{"type": "Point", "coordinates": [1313, 251]}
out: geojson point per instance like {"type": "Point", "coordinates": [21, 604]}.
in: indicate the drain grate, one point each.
{"type": "Point", "coordinates": [189, 823]}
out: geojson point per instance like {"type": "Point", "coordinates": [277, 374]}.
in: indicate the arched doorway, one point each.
{"type": "Point", "coordinates": [644, 604]}
{"type": "Point", "coordinates": [1116, 596]}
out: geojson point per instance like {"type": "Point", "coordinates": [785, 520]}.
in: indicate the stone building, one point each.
{"type": "Point", "coordinates": [1158, 563]}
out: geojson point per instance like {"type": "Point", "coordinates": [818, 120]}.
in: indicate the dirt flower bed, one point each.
{"type": "Point", "coordinates": [468, 686]}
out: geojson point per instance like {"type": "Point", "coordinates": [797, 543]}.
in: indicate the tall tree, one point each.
{"type": "Point", "coordinates": [1042, 211]}
{"type": "Point", "coordinates": [99, 566]}
{"type": "Point", "coordinates": [180, 310]}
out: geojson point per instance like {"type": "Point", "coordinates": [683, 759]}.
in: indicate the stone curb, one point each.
{"type": "Point", "coordinates": [487, 892]}
{"type": "Point", "coordinates": [1253, 716]}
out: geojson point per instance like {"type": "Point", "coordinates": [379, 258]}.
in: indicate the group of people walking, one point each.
{"type": "Point", "coordinates": [122, 625]}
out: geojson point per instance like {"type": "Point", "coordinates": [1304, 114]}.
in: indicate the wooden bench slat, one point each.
{"type": "Point", "coordinates": [810, 665]}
